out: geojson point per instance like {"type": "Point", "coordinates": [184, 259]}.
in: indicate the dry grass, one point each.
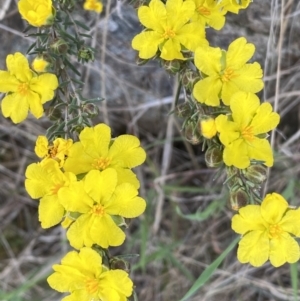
{"type": "Point", "coordinates": [173, 250]}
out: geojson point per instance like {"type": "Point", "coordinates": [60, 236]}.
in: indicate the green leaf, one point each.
{"type": "Point", "coordinates": [82, 25]}
{"type": "Point", "coordinates": [208, 272]}
{"type": "Point", "coordinates": [202, 215]}
{"type": "Point", "coordinates": [71, 67]}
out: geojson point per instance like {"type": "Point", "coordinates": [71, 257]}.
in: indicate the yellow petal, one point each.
{"type": "Point", "coordinates": [229, 89]}
{"type": "Point", "coordinates": [126, 152]}
{"type": "Point", "coordinates": [273, 208]}
{"type": "Point", "coordinates": [179, 12]}
{"type": "Point", "coordinates": [101, 185]}
{"type": "Point", "coordinates": [90, 261]}
{"type": "Point", "coordinates": [37, 183]}
{"type": "Point", "coordinates": [8, 82]}
{"type": "Point", "coordinates": [74, 198]}
{"type": "Point", "coordinates": [191, 36]}
{"type": "Point", "coordinates": [126, 202]}
{"type": "Point", "coordinates": [15, 106]}
{"type": "Point", "coordinates": [208, 60]}
{"type": "Point", "coordinates": [249, 78]}
{"type": "Point", "coordinates": [229, 130]}
{"type": "Point", "coordinates": [239, 52]}
{"type": "Point", "coordinates": [127, 176]}
{"type": "Point", "coordinates": [41, 146]}
{"type": "Point", "coordinates": [78, 161]}
{"type": "Point", "coordinates": [291, 222]}
{"type": "Point", "coordinates": [254, 248]}
{"type": "Point", "coordinates": [35, 105]}
{"type": "Point", "coordinates": [265, 120]}
{"type": "Point", "coordinates": [171, 50]}
{"type": "Point", "coordinates": [248, 219]}
{"type": "Point", "coordinates": [104, 232]}
{"type": "Point", "coordinates": [260, 149]}
{"type": "Point", "coordinates": [152, 16]}
{"type": "Point", "coordinates": [79, 232]}
{"type": "Point", "coordinates": [50, 211]}
{"type": "Point", "coordinates": [236, 154]}
{"type": "Point", "coordinates": [17, 65]}
{"type": "Point", "coordinates": [147, 43]}
{"type": "Point", "coordinates": [243, 106]}
{"type": "Point", "coordinates": [207, 91]}
{"type": "Point", "coordinates": [115, 281]}
{"type": "Point", "coordinates": [44, 85]}
{"type": "Point", "coordinates": [284, 249]}
{"type": "Point", "coordinates": [95, 140]}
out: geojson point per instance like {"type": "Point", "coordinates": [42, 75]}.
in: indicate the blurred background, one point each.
{"type": "Point", "coordinates": [187, 222]}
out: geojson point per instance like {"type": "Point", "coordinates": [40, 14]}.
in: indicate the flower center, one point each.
{"type": "Point", "coordinates": [168, 34]}
{"type": "Point", "coordinates": [52, 151]}
{"type": "Point", "coordinates": [55, 188]}
{"type": "Point", "coordinates": [203, 10]}
{"type": "Point", "coordinates": [91, 285]}
{"type": "Point", "coordinates": [228, 74]}
{"type": "Point", "coordinates": [247, 133]}
{"type": "Point", "coordinates": [98, 210]}
{"type": "Point", "coordinates": [101, 163]}
{"type": "Point", "coordinates": [275, 231]}
{"type": "Point", "coordinates": [23, 89]}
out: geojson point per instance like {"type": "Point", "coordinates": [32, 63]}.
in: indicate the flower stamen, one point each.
{"type": "Point", "coordinates": [203, 10]}
{"type": "Point", "coordinates": [247, 133]}
{"type": "Point", "coordinates": [168, 34]}
{"type": "Point", "coordinates": [101, 163]}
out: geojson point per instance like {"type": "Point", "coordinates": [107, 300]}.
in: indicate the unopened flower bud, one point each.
{"type": "Point", "coordinates": [208, 127]}
{"type": "Point", "coordinates": [59, 46]}
{"type": "Point", "coordinates": [189, 78]}
{"type": "Point", "coordinates": [41, 64]}
{"type": "Point", "coordinates": [91, 109]}
{"type": "Point", "coordinates": [53, 113]}
{"type": "Point", "coordinates": [256, 174]}
{"type": "Point", "coordinates": [183, 110]}
{"type": "Point", "coordinates": [191, 134]}
{"type": "Point", "coordinates": [214, 156]}
{"type": "Point", "coordinates": [119, 264]}
{"type": "Point", "coordinates": [85, 54]}
{"type": "Point", "coordinates": [238, 199]}
{"type": "Point", "coordinates": [172, 66]}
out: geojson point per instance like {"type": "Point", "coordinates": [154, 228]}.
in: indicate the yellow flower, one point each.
{"type": "Point", "coordinates": [40, 65]}
{"type": "Point", "coordinates": [36, 12]}
{"type": "Point", "coordinates": [26, 90]}
{"type": "Point", "coordinates": [266, 232]}
{"type": "Point", "coordinates": [96, 150]}
{"type": "Point", "coordinates": [44, 180]}
{"type": "Point", "coordinates": [208, 127]}
{"type": "Point", "coordinates": [243, 133]}
{"type": "Point", "coordinates": [227, 72]}
{"type": "Point", "coordinates": [83, 276]}
{"type": "Point", "coordinates": [235, 5]}
{"type": "Point", "coordinates": [93, 5]}
{"type": "Point", "coordinates": [58, 150]}
{"type": "Point", "coordinates": [168, 29]}
{"type": "Point", "coordinates": [209, 12]}
{"type": "Point", "coordinates": [98, 199]}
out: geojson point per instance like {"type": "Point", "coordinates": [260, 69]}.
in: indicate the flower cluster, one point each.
{"type": "Point", "coordinates": [87, 186]}
{"type": "Point", "coordinates": [90, 188]}
{"type": "Point", "coordinates": [178, 26]}
{"type": "Point", "coordinates": [222, 110]}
